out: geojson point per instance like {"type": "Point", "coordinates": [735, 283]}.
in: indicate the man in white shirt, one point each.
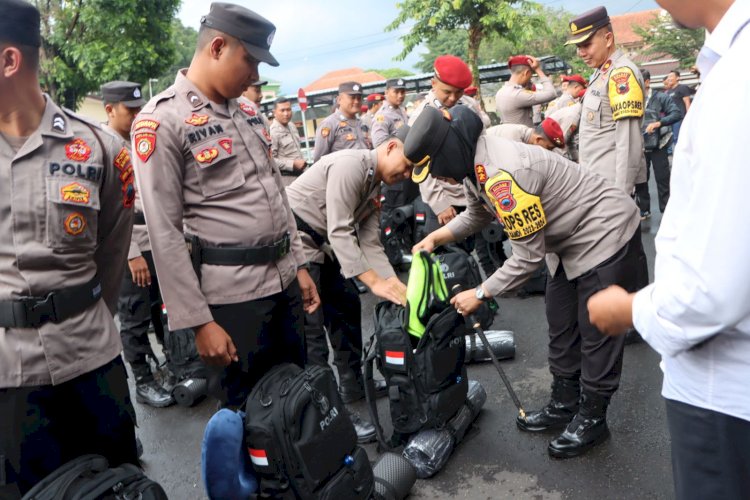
{"type": "Point", "coordinates": [696, 314]}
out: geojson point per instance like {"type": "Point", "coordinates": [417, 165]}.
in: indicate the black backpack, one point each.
{"type": "Point", "coordinates": [89, 477]}
{"type": "Point", "coordinates": [300, 439]}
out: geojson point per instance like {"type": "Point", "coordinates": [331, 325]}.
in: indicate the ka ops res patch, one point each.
{"type": "Point", "coordinates": [520, 212]}
{"type": "Point", "coordinates": [625, 94]}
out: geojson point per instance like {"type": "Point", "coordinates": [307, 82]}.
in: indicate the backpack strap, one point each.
{"type": "Point", "coordinates": [370, 355]}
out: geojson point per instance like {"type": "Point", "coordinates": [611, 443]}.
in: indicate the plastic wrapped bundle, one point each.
{"type": "Point", "coordinates": [475, 400]}
{"type": "Point", "coordinates": [502, 343]}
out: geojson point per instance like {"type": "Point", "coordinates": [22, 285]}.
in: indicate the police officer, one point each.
{"type": "Point", "coordinates": [251, 99]}
{"type": "Point", "coordinates": [285, 142]}
{"type": "Point", "coordinates": [342, 129]}
{"type": "Point", "coordinates": [139, 304]}
{"type": "Point", "coordinates": [336, 204]}
{"type": "Point", "coordinates": [610, 132]}
{"type": "Point", "coordinates": [374, 103]}
{"type": "Point", "coordinates": [547, 205]}
{"type": "Point", "coordinates": [547, 134]}
{"type": "Point", "coordinates": [569, 118]}
{"type": "Point", "coordinates": [514, 100]}
{"type": "Point", "coordinates": [204, 164]}
{"type": "Point", "coordinates": [571, 93]}
{"type": "Point", "coordinates": [66, 195]}
{"type": "Point", "coordinates": [391, 116]}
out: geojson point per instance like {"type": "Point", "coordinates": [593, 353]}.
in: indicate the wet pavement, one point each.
{"type": "Point", "coordinates": [498, 461]}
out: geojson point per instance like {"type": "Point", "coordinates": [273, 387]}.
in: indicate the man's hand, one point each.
{"type": "Point", "coordinates": [611, 310]}
{"type": "Point", "coordinates": [214, 345]}
{"type": "Point", "coordinates": [651, 127]}
{"type": "Point", "coordinates": [139, 270]}
{"type": "Point", "coordinates": [299, 164]}
{"type": "Point", "coordinates": [427, 244]}
{"type": "Point", "coordinates": [533, 62]}
{"type": "Point", "coordinates": [446, 215]}
{"type": "Point", "coordinates": [390, 289]}
{"type": "Point", "coordinates": [466, 302]}
{"type": "Point", "coordinates": [310, 297]}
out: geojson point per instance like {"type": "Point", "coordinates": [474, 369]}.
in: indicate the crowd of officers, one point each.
{"type": "Point", "coordinates": [256, 250]}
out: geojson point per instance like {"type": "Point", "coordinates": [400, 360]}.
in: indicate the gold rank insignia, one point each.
{"type": "Point", "coordinates": [481, 173]}
{"type": "Point", "coordinates": [522, 213]}
{"type": "Point", "coordinates": [197, 120]}
{"type": "Point", "coordinates": [343, 124]}
{"type": "Point", "coordinates": [380, 118]}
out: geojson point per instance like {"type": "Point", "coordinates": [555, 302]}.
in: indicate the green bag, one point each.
{"type": "Point", "coordinates": [426, 292]}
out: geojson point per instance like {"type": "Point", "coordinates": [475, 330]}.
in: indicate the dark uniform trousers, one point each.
{"type": "Point", "coordinates": [265, 332]}
{"type": "Point", "coordinates": [710, 453]}
{"type": "Point", "coordinates": [42, 427]}
{"type": "Point", "coordinates": [341, 314]}
{"type": "Point", "coordinates": [576, 347]}
{"type": "Point", "coordinates": [659, 161]}
{"type": "Point", "coordinates": [137, 308]}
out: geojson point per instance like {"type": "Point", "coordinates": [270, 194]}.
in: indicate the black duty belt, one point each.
{"type": "Point", "coordinates": [244, 256]}
{"type": "Point", "coordinates": [139, 218]}
{"type": "Point", "coordinates": [303, 226]}
{"type": "Point", "coordinates": [57, 306]}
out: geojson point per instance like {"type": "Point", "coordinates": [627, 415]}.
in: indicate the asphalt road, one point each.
{"type": "Point", "coordinates": [498, 461]}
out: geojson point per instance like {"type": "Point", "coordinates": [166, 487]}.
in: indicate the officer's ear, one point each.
{"type": "Point", "coordinates": [11, 58]}
{"type": "Point", "coordinates": [109, 108]}
{"type": "Point", "coordinates": [216, 46]}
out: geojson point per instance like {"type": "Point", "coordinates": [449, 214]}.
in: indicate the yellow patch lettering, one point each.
{"type": "Point", "coordinates": [625, 94]}
{"type": "Point", "coordinates": [521, 213]}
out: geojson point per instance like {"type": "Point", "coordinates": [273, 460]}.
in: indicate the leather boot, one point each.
{"type": "Point", "coordinates": [364, 428]}
{"type": "Point", "coordinates": [560, 410]}
{"type": "Point", "coordinates": [587, 429]}
{"type": "Point", "coordinates": [350, 388]}
{"type": "Point", "coordinates": [148, 391]}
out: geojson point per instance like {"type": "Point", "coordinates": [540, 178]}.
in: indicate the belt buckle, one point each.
{"type": "Point", "coordinates": [284, 245]}
{"type": "Point", "coordinates": [40, 309]}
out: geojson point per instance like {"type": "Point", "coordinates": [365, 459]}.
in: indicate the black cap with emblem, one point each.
{"type": "Point", "coordinates": [586, 24]}
{"type": "Point", "coordinates": [128, 93]}
{"type": "Point", "coordinates": [253, 30]}
{"type": "Point", "coordinates": [395, 83]}
{"type": "Point", "coordinates": [351, 88]}
{"type": "Point", "coordinates": [19, 23]}
{"type": "Point", "coordinates": [442, 142]}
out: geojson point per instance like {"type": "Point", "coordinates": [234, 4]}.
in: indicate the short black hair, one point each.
{"type": "Point", "coordinates": [206, 34]}
{"type": "Point", "coordinates": [646, 74]}
{"type": "Point", "coordinates": [280, 100]}
{"type": "Point", "coordinates": [675, 72]}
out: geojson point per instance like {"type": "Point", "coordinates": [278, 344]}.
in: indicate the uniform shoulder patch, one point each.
{"type": "Point", "coordinates": [380, 118]}
{"type": "Point", "coordinates": [147, 123]}
{"type": "Point", "coordinates": [325, 131]}
{"type": "Point", "coordinates": [520, 212]}
{"type": "Point", "coordinates": [625, 94]}
{"type": "Point", "coordinates": [78, 150]}
{"type": "Point", "coordinates": [145, 144]}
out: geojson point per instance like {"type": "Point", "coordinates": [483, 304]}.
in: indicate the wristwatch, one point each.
{"type": "Point", "coordinates": [479, 293]}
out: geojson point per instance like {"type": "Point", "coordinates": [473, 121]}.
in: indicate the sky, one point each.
{"type": "Point", "coordinates": [314, 37]}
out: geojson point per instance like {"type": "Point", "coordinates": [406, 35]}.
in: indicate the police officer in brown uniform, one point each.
{"type": "Point", "coordinates": [204, 165]}
{"type": "Point", "coordinates": [66, 198]}
{"type": "Point", "coordinates": [139, 304]}
{"type": "Point", "coordinates": [342, 129]}
{"type": "Point", "coordinates": [571, 93]}
{"type": "Point", "coordinates": [251, 98]}
{"type": "Point", "coordinates": [285, 141]}
{"type": "Point", "coordinates": [547, 134]}
{"type": "Point", "coordinates": [391, 116]}
{"type": "Point", "coordinates": [569, 118]}
{"type": "Point", "coordinates": [374, 102]}
{"type": "Point", "coordinates": [514, 100]}
{"type": "Point", "coordinates": [610, 137]}
{"type": "Point", "coordinates": [336, 203]}
{"type": "Point", "coordinates": [547, 205]}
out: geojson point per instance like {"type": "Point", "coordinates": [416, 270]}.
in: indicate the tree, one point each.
{"type": "Point", "coordinates": [89, 42]}
{"type": "Point", "coordinates": [480, 18]}
{"type": "Point", "coordinates": [392, 72]}
{"type": "Point", "coordinates": [663, 37]}
{"type": "Point", "coordinates": [184, 39]}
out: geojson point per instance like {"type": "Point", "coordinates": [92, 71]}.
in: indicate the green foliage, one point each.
{"type": "Point", "coordinates": [392, 72]}
{"type": "Point", "coordinates": [89, 42]}
{"type": "Point", "coordinates": [663, 37]}
{"type": "Point", "coordinates": [184, 39]}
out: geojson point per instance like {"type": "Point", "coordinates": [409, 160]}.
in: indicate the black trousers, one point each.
{"type": "Point", "coordinates": [341, 314]}
{"type": "Point", "coordinates": [659, 161]}
{"type": "Point", "coordinates": [138, 307]}
{"type": "Point", "coordinates": [266, 332]}
{"type": "Point", "coordinates": [710, 453]}
{"type": "Point", "coordinates": [43, 427]}
{"type": "Point", "coordinates": [576, 348]}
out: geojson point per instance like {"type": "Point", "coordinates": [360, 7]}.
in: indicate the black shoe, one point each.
{"type": "Point", "coordinates": [645, 214]}
{"type": "Point", "coordinates": [350, 390]}
{"type": "Point", "coordinates": [153, 394]}
{"type": "Point", "coordinates": [587, 429]}
{"type": "Point", "coordinates": [364, 428]}
{"type": "Point", "coordinates": [560, 410]}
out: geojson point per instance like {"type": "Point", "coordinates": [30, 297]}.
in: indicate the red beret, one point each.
{"type": "Point", "coordinates": [374, 97]}
{"type": "Point", "coordinates": [470, 91]}
{"type": "Point", "coordinates": [515, 60]}
{"type": "Point", "coordinates": [574, 78]}
{"type": "Point", "coordinates": [453, 71]}
{"type": "Point", "coordinates": [581, 93]}
{"type": "Point", "coordinates": [363, 108]}
{"type": "Point", "coordinates": [553, 132]}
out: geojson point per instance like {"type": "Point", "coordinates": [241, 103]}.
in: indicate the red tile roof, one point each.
{"type": "Point", "coordinates": [332, 79]}
{"type": "Point", "coordinates": [623, 24]}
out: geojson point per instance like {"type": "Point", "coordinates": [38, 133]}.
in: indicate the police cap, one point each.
{"type": "Point", "coordinates": [585, 25]}
{"type": "Point", "coordinates": [254, 31]}
{"type": "Point", "coordinates": [452, 71]}
{"type": "Point", "coordinates": [351, 88]}
{"type": "Point", "coordinates": [19, 23]}
{"type": "Point", "coordinates": [395, 83]}
{"type": "Point", "coordinates": [128, 93]}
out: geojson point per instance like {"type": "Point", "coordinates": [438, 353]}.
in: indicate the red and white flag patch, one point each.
{"type": "Point", "coordinates": [394, 358]}
{"type": "Point", "coordinates": [258, 457]}
{"type": "Point", "coordinates": [419, 216]}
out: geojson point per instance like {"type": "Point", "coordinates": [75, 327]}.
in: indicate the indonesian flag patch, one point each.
{"type": "Point", "coordinates": [394, 358]}
{"type": "Point", "coordinates": [258, 457]}
{"type": "Point", "coordinates": [419, 216]}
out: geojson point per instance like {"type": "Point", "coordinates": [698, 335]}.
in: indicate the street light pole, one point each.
{"type": "Point", "coordinates": [150, 91]}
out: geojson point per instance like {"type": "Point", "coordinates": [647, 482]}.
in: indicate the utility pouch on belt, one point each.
{"type": "Point", "coordinates": [194, 247]}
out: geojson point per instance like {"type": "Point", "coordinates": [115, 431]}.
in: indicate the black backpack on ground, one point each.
{"type": "Point", "coordinates": [300, 439]}
{"type": "Point", "coordinates": [89, 477]}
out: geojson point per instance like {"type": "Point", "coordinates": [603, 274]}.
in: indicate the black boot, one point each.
{"type": "Point", "coordinates": [587, 429]}
{"type": "Point", "coordinates": [364, 428]}
{"type": "Point", "coordinates": [350, 388]}
{"type": "Point", "coordinates": [560, 410]}
{"type": "Point", "coordinates": [148, 391]}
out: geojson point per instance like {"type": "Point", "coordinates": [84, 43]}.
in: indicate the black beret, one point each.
{"type": "Point", "coordinates": [19, 23]}
{"type": "Point", "coordinates": [585, 25]}
{"type": "Point", "coordinates": [128, 93]}
{"type": "Point", "coordinates": [254, 31]}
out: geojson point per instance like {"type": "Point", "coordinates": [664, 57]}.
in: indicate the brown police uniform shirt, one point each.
{"type": "Point", "coordinates": [65, 216]}
{"type": "Point", "coordinates": [206, 169]}
{"type": "Point", "coordinates": [547, 204]}
{"type": "Point", "coordinates": [511, 131]}
{"type": "Point", "coordinates": [569, 118]}
{"type": "Point", "coordinates": [610, 137]}
{"type": "Point", "coordinates": [339, 197]}
{"type": "Point", "coordinates": [561, 102]}
{"type": "Point", "coordinates": [338, 132]}
{"type": "Point", "coordinates": [139, 236]}
{"type": "Point", "coordinates": [387, 120]}
{"type": "Point", "coordinates": [285, 145]}
{"type": "Point", "coordinates": [514, 103]}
